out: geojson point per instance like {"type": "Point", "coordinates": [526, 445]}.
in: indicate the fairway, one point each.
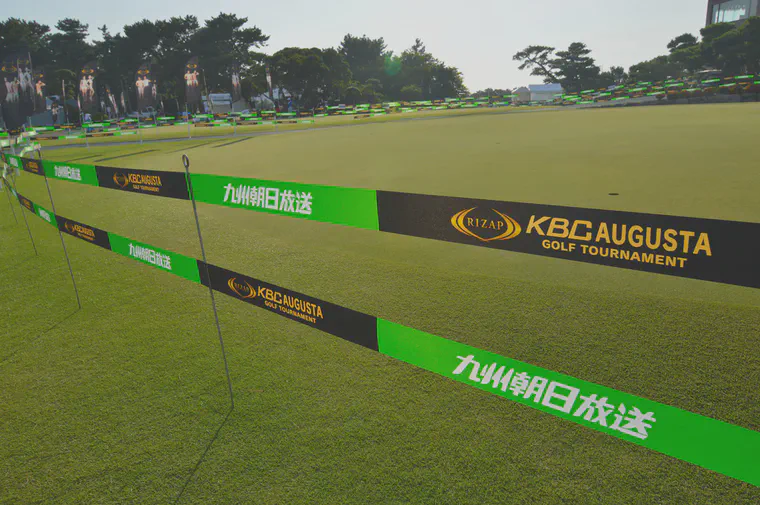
{"type": "Point", "coordinates": [125, 401]}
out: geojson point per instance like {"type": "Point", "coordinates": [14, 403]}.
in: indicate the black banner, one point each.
{"type": "Point", "coordinates": [32, 166]}
{"type": "Point", "coordinates": [85, 232]}
{"type": "Point", "coordinates": [192, 84]}
{"type": "Point", "coordinates": [345, 323]}
{"type": "Point", "coordinates": [26, 202]}
{"type": "Point", "coordinates": [145, 88]}
{"type": "Point", "coordinates": [88, 101]}
{"type": "Point", "coordinates": [149, 182]}
{"type": "Point", "coordinates": [706, 249]}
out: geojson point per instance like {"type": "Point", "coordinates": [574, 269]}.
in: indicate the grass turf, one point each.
{"type": "Point", "coordinates": [201, 132]}
{"type": "Point", "coordinates": [124, 401]}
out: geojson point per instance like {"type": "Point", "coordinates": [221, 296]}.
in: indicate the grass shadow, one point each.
{"type": "Point", "coordinates": [203, 456]}
{"type": "Point", "coordinates": [15, 265]}
{"type": "Point", "coordinates": [42, 334]}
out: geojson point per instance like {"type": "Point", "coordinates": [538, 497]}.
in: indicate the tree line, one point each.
{"type": "Point", "coordinates": [725, 47]}
{"type": "Point", "coordinates": [359, 69]}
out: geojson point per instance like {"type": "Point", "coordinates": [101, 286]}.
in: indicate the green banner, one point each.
{"type": "Point", "coordinates": [46, 215]}
{"type": "Point", "coordinates": [13, 160]}
{"type": "Point", "coordinates": [728, 449]}
{"type": "Point", "coordinates": [712, 444]}
{"type": "Point", "coordinates": [347, 206]}
{"type": "Point", "coordinates": [161, 259]}
{"type": "Point", "coordinates": [74, 172]}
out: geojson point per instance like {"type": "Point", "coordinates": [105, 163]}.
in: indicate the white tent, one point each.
{"type": "Point", "coordinates": [544, 92]}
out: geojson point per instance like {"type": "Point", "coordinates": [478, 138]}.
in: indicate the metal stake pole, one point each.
{"type": "Point", "coordinates": [8, 192]}
{"type": "Point", "coordinates": [60, 234]}
{"type": "Point", "coordinates": [23, 215]}
{"type": "Point", "coordinates": [186, 163]}
{"type": "Point", "coordinates": [139, 130]}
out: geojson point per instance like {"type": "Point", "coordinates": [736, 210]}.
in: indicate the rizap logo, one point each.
{"type": "Point", "coordinates": [14, 162]}
{"type": "Point", "coordinates": [242, 288]}
{"type": "Point", "coordinates": [44, 215]}
{"type": "Point", "coordinates": [486, 228]}
{"type": "Point", "coordinates": [121, 180]}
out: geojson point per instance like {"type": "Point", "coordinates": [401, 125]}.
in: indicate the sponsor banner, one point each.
{"type": "Point", "coordinates": [85, 232]}
{"type": "Point", "coordinates": [74, 172]}
{"type": "Point", "coordinates": [26, 203]}
{"type": "Point", "coordinates": [147, 182]}
{"type": "Point", "coordinates": [345, 323]}
{"type": "Point", "coordinates": [346, 206]}
{"type": "Point", "coordinates": [32, 166]}
{"type": "Point", "coordinates": [168, 261]}
{"type": "Point", "coordinates": [706, 249]}
{"type": "Point", "coordinates": [14, 161]}
{"type": "Point", "coordinates": [32, 207]}
{"type": "Point", "coordinates": [45, 215]}
{"type": "Point", "coordinates": [712, 444]}
{"type": "Point", "coordinates": [718, 446]}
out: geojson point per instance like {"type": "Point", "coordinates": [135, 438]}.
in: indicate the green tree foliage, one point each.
{"type": "Point", "coordinates": [574, 69]}
{"type": "Point", "coordinates": [656, 69]}
{"type": "Point", "coordinates": [491, 92]}
{"type": "Point", "coordinates": [538, 59]}
{"type": "Point", "coordinates": [302, 72]}
{"type": "Point", "coordinates": [363, 55]}
{"type": "Point", "coordinates": [751, 35]}
{"type": "Point", "coordinates": [727, 47]}
{"type": "Point", "coordinates": [682, 42]}
{"type": "Point", "coordinates": [359, 69]}
{"type": "Point", "coordinates": [411, 92]}
{"type": "Point", "coordinates": [17, 34]}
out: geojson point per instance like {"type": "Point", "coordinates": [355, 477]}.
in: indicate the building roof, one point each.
{"type": "Point", "coordinates": [547, 88]}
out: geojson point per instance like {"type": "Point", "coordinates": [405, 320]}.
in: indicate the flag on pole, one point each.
{"type": "Point", "coordinates": [39, 91]}
{"type": "Point", "coordinates": [26, 84]}
{"type": "Point", "coordinates": [237, 93]}
{"type": "Point", "coordinates": [87, 98]}
{"type": "Point", "coordinates": [146, 87]}
{"type": "Point", "coordinates": [192, 82]}
{"type": "Point", "coordinates": [11, 104]}
{"type": "Point", "coordinates": [269, 82]}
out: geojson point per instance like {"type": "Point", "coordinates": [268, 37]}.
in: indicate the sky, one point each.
{"type": "Point", "coordinates": [478, 38]}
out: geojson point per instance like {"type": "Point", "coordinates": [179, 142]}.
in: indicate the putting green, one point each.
{"type": "Point", "coordinates": [120, 401]}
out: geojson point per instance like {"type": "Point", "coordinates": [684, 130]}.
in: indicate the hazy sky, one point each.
{"type": "Point", "coordinates": [479, 38]}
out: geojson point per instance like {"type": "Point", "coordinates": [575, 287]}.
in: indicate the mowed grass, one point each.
{"type": "Point", "coordinates": [201, 132]}
{"type": "Point", "coordinates": [125, 401]}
